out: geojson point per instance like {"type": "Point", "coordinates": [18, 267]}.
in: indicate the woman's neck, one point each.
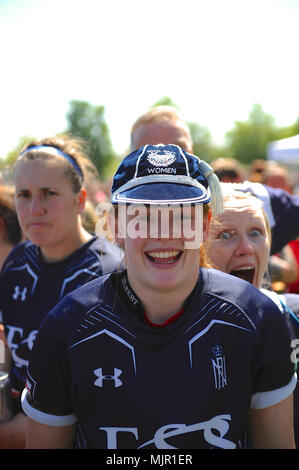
{"type": "Point", "coordinates": [62, 250]}
{"type": "Point", "coordinates": [160, 306]}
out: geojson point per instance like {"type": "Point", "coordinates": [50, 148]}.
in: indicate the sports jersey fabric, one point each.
{"type": "Point", "coordinates": [29, 289]}
{"type": "Point", "coordinates": [127, 384]}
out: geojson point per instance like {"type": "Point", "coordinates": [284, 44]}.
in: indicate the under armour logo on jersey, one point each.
{"type": "Point", "coordinates": [101, 377]}
{"type": "Point", "coordinates": [219, 367]}
{"type": "Point", "coordinates": [20, 293]}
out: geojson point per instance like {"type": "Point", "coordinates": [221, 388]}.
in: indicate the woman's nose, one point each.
{"type": "Point", "coordinates": [244, 246]}
{"type": "Point", "coordinates": [36, 206]}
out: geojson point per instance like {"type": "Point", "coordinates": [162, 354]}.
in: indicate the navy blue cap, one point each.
{"type": "Point", "coordinates": [160, 174]}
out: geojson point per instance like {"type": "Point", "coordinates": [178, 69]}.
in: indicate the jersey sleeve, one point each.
{"type": "Point", "coordinates": [274, 371]}
{"type": "Point", "coordinates": [47, 396]}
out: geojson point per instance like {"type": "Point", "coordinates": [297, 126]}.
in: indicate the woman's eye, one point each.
{"type": "Point", "coordinates": [255, 232]}
{"type": "Point", "coordinates": [224, 236]}
{"type": "Point", "coordinates": [22, 195]}
{"type": "Point", "coordinates": [49, 193]}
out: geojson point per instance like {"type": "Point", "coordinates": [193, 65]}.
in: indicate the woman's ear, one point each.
{"type": "Point", "coordinates": [81, 199]}
{"type": "Point", "coordinates": [206, 226]}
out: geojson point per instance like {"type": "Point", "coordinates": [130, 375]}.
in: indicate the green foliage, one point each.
{"type": "Point", "coordinates": [88, 122]}
{"type": "Point", "coordinates": [248, 140]}
{"type": "Point", "coordinates": [165, 101]}
{"type": "Point", "coordinates": [201, 140]}
{"type": "Point", "coordinates": [8, 161]}
{"type": "Point", "coordinates": [288, 131]}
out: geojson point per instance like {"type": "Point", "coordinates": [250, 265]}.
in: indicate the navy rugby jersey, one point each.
{"type": "Point", "coordinates": [98, 363]}
{"type": "Point", "coordinates": [29, 289]}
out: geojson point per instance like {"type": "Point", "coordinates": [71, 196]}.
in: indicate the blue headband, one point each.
{"type": "Point", "coordinates": [55, 151]}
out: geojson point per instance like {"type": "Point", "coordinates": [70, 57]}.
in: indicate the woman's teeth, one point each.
{"type": "Point", "coordinates": [165, 257]}
{"type": "Point", "coordinates": [163, 254]}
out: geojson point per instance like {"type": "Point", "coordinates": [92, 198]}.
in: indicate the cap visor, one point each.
{"type": "Point", "coordinates": [163, 193]}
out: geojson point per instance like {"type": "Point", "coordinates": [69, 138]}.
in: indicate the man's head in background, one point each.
{"type": "Point", "coordinates": [161, 125]}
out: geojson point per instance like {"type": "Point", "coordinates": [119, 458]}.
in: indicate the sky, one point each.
{"type": "Point", "coordinates": [215, 59]}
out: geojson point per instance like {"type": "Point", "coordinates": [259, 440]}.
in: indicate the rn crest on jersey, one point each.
{"type": "Point", "coordinates": [219, 367]}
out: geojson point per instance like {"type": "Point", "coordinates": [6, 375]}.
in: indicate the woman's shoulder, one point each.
{"type": "Point", "coordinates": [237, 291]}
{"type": "Point", "coordinates": [20, 254]}
{"type": "Point", "coordinates": [74, 306]}
{"type": "Point", "coordinates": [108, 253]}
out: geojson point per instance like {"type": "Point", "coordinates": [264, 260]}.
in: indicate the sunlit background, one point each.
{"type": "Point", "coordinates": [215, 59]}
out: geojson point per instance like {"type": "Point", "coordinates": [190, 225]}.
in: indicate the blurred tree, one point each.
{"type": "Point", "coordinates": [7, 162]}
{"type": "Point", "coordinates": [288, 131]}
{"type": "Point", "coordinates": [248, 140]}
{"type": "Point", "coordinates": [11, 157]}
{"type": "Point", "coordinates": [88, 122]}
{"type": "Point", "coordinates": [165, 101]}
{"type": "Point", "coordinates": [202, 142]}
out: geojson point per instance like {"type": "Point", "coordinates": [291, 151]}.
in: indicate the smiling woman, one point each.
{"type": "Point", "coordinates": [121, 360]}
{"type": "Point", "coordinates": [58, 256]}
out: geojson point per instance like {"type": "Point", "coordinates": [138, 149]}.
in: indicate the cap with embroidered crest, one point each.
{"type": "Point", "coordinates": [164, 174]}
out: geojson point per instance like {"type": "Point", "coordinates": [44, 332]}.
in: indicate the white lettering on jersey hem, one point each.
{"type": "Point", "coordinates": [218, 423]}
{"type": "Point", "coordinates": [264, 399]}
{"type": "Point", "coordinates": [45, 418]}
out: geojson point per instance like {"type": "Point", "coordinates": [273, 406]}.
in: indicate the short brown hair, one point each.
{"type": "Point", "coordinates": [72, 146]}
{"type": "Point", "coordinates": [163, 113]}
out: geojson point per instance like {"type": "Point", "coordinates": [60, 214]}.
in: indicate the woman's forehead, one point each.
{"type": "Point", "coordinates": [38, 171]}
{"type": "Point", "coordinates": [53, 163]}
{"type": "Point", "coordinates": [235, 210]}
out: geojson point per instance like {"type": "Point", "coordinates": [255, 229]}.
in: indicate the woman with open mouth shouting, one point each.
{"type": "Point", "coordinates": [167, 354]}
{"type": "Point", "coordinates": [239, 244]}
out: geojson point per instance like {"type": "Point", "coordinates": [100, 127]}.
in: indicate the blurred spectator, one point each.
{"type": "Point", "coordinates": [161, 125]}
{"type": "Point", "coordinates": [10, 230]}
{"type": "Point", "coordinates": [228, 170]}
{"type": "Point", "coordinates": [277, 176]}
{"type": "Point", "coordinates": [10, 235]}
{"type": "Point", "coordinates": [256, 169]}
{"type": "Point", "coordinates": [283, 266]}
